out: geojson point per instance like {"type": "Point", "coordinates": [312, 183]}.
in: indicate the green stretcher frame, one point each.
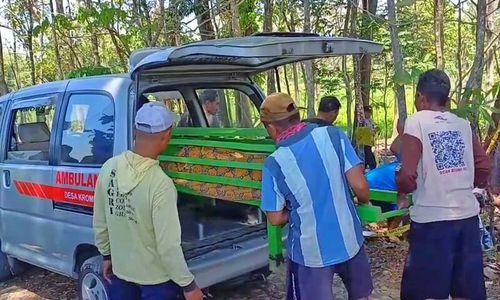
{"type": "Point", "coordinates": [252, 140]}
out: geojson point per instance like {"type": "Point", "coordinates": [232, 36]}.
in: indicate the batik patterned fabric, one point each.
{"type": "Point", "coordinates": [218, 191]}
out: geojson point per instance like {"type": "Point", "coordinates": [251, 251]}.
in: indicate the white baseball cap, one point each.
{"type": "Point", "coordinates": [154, 117]}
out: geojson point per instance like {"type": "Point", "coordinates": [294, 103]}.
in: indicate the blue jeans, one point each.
{"type": "Point", "coordinates": [124, 290]}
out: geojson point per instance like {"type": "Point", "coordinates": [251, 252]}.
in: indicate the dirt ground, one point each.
{"type": "Point", "coordinates": [387, 259]}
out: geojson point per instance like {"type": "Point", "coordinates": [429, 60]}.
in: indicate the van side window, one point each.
{"type": "Point", "coordinates": [89, 126]}
{"type": "Point", "coordinates": [228, 108]}
{"type": "Point", "coordinates": [30, 133]}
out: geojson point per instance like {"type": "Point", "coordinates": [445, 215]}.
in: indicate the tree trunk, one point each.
{"type": "Point", "coordinates": [369, 9]}
{"type": "Point", "coordinates": [495, 117]}
{"type": "Point", "coordinates": [58, 60]}
{"type": "Point", "coordinates": [235, 18]}
{"type": "Point", "coordinates": [204, 17]}
{"type": "Point", "coordinates": [398, 58]}
{"type": "Point", "coordinates": [386, 105]}
{"type": "Point", "coordinates": [59, 7]}
{"type": "Point", "coordinates": [15, 65]}
{"type": "Point", "coordinates": [491, 14]}
{"type": "Point", "coordinates": [459, 53]}
{"type": "Point", "coordinates": [121, 53]}
{"type": "Point", "coordinates": [213, 4]}
{"type": "Point", "coordinates": [73, 61]}
{"type": "Point", "coordinates": [161, 23]}
{"type": "Point", "coordinates": [287, 82]}
{"type": "Point", "coordinates": [295, 72]}
{"type": "Point", "coordinates": [268, 27]}
{"type": "Point", "coordinates": [439, 32]}
{"type": "Point", "coordinates": [296, 90]}
{"type": "Point", "coordinates": [29, 42]}
{"type": "Point", "coordinates": [476, 76]}
{"type": "Point", "coordinates": [93, 39]}
{"type": "Point", "coordinates": [347, 80]}
{"type": "Point", "coordinates": [3, 83]}
{"type": "Point", "coordinates": [223, 112]}
{"type": "Point", "coordinates": [242, 104]}
{"type": "Point", "coordinates": [308, 65]}
{"type": "Point", "coordinates": [359, 111]}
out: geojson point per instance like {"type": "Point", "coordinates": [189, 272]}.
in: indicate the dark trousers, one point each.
{"type": "Point", "coordinates": [445, 259]}
{"type": "Point", "coordinates": [305, 283]}
{"type": "Point", "coordinates": [370, 160]}
{"type": "Point", "coordinates": [124, 290]}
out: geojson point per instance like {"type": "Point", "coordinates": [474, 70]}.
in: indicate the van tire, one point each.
{"type": "Point", "coordinates": [4, 267]}
{"type": "Point", "coordinates": [16, 266]}
{"type": "Point", "coordinates": [91, 283]}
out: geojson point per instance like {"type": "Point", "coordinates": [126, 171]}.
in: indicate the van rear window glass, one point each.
{"type": "Point", "coordinates": [30, 133]}
{"type": "Point", "coordinates": [173, 100]}
{"type": "Point", "coordinates": [88, 133]}
{"type": "Point", "coordinates": [229, 108]}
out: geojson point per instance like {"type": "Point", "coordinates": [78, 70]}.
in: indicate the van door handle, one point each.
{"type": "Point", "coordinates": [6, 179]}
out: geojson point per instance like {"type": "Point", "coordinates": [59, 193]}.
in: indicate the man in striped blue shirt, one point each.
{"type": "Point", "coordinates": [306, 184]}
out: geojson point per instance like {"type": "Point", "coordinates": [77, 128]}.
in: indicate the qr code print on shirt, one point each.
{"type": "Point", "coordinates": [448, 148]}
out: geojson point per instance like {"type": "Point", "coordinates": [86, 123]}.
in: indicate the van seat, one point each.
{"type": "Point", "coordinates": [33, 136]}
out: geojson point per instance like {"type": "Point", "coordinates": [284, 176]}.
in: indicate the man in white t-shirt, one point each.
{"type": "Point", "coordinates": [442, 161]}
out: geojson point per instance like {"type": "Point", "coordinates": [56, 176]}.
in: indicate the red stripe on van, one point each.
{"type": "Point", "coordinates": [56, 194]}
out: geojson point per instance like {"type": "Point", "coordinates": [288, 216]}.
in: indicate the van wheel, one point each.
{"type": "Point", "coordinates": [91, 283]}
{"type": "Point", "coordinates": [4, 267]}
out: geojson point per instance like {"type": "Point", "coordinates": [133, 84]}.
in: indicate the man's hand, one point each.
{"type": "Point", "coordinates": [195, 294]}
{"type": "Point", "coordinates": [279, 218]}
{"type": "Point", "coordinates": [403, 202]}
{"type": "Point", "coordinates": [357, 180]}
{"type": "Point", "coordinates": [107, 270]}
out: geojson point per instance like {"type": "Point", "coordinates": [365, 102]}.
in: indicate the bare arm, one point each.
{"type": "Point", "coordinates": [411, 153]}
{"type": "Point", "coordinates": [358, 183]}
{"type": "Point", "coordinates": [279, 218]}
{"type": "Point", "coordinates": [482, 165]}
{"type": "Point", "coordinates": [396, 146]}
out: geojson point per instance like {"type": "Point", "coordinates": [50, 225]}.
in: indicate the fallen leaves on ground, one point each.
{"type": "Point", "coordinates": [387, 261]}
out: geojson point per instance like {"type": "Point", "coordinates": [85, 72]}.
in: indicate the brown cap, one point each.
{"type": "Point", "coordinates": [277, 107]}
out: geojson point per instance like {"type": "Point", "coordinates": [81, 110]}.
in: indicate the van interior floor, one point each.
{"type": "Point", "coordinates": [211, 225]}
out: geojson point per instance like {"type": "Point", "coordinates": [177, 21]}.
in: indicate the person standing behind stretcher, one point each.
{"type": "Point", "coordinates": [328, 111]}
{"type": "Point", "coordinates": [442, 160]}
{"type": "Point", "coordinates": [136, 221]}
{"type": "Point", "coordinates": [210, 103]}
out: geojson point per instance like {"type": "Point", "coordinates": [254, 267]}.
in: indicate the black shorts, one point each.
{"type": "Point", "coordinates": [445, 259]}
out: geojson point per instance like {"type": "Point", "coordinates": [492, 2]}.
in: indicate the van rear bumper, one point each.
{"type": "Point", "coordinates": [228, 263]}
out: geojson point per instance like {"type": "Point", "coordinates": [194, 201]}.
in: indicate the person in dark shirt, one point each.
{"type": "Point", "coordinates": [210, 104]}
{"type": "Point", "coordinates": [329, 107]}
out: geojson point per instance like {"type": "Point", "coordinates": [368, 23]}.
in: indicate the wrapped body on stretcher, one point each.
{"type": "Point", "coordinates": [383, 178]}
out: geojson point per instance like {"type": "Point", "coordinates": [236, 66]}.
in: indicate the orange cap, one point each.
{"type": "Point", "coordinates": [277, 107]}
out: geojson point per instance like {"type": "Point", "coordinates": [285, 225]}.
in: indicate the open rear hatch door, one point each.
{"type": "Point", "coordinates": [245, 55]}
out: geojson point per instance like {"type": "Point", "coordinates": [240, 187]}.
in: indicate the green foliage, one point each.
{"type": "Point", "coordinates": [480, 107]}
{"type": "Point", "coordinates": [248, 16]}
{"type": "Point", "coordinates": [89, 71]}
{"type": "Point", "coordinates": [122, 26]}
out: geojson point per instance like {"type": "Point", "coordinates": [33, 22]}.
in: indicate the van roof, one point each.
{"type": "Point", "coordinates": [56, 86]}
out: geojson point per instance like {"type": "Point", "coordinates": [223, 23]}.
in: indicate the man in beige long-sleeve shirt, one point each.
{"type": "Point", "coordinates": [136, 221]}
